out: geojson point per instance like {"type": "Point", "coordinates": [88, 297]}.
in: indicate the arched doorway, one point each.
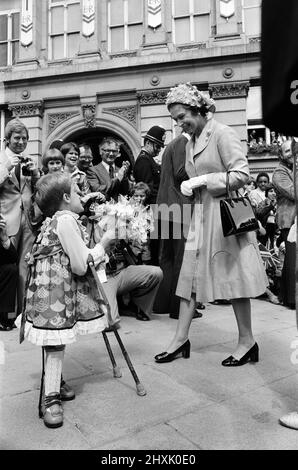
{"type": "Point", "coordinates": [93, 137]}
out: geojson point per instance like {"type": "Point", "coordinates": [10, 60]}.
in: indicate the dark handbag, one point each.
{"type": "Point", "coordinates": [237, 215]}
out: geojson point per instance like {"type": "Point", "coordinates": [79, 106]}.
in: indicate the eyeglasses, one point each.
{"type": "Point", "coordinates": [110, 151]}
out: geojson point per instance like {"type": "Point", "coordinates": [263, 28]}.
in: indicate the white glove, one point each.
{"type": "Point", "coordinates": [198, 181]}
{"type": "Point", "coordinates": [185, 188]}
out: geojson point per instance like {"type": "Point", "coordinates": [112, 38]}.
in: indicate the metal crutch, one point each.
{"type": "Point", "coordinates": [41, 392]}
{"type": "Point", "coordinates": [139, 386]}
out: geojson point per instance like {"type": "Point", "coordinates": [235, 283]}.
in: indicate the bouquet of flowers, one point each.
{"type": "Point", "coordinates": [131, 223]}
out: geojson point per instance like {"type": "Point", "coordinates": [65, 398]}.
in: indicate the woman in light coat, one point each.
{"type": "Point", "coordinates": [214, 266]}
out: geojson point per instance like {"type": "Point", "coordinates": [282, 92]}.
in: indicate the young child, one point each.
{"type": "Point", "coordinates": [62, 300]}
{"type": "Point", "coordinates": [52, 161]}
{"type": "Point", "coordinates": [139, 198]}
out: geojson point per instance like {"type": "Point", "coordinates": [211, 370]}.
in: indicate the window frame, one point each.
{"type": "Point", "coordinates": [65, 4]}
{"type": "Point", "coordinates": [252, 7]}
{"type": "Point", "coordinates": [125, 25]}
{"type": "Point", "coordinates": [192, 15]}
{"type": "Point", "coordinates": [9, 41]}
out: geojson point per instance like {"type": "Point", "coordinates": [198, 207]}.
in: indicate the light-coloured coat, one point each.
{"type": "Point", "coordinates": [14, 197]}
{"type": "Point", "coordinates": [218, 267]}
{"type": "Point", "coordinates": [15, 204]}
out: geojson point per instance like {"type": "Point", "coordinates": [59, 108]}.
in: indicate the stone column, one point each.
{"type": "Point", "coordinates": [31, 33]}
{"type": "Point", "coordinates": [31, 114]}
{"type": "Point", "coordinates": [152, 104]}
{"type": "Point", "coordinates": [228, 18]}
{"type": "Point", "coordinates": [230, 99]}
{"type": "Point", "coordinates": [155, 37]}
{"type": "Point", "coordinates": [89, 42]}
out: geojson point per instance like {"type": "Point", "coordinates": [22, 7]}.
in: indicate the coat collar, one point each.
{"type": "Point", "coordinates": [196, 146]}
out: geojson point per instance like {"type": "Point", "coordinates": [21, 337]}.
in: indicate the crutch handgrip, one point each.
{"type": "Point", "coordinates": [91, 265]}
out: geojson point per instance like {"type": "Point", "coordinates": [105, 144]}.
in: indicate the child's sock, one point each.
{"type": "Point", "coordinates": [53, 370]}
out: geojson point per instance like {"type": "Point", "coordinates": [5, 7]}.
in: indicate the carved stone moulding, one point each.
{"type": "Point", "coordinates": [155, 80]}
{"type": "Point", "coordinates": [33, 108]}
{"type": "Point", "coordinates": [125, 112]}
{"type": "Point", "coordinates": [89, 111]}
{"type": "Point", "coordinates": [26, 94]}
{"type": "Point", "coordinates": [254, 39]}
{"type": "Point", "coordinates": [123, 54]}
{"type": "Point", "coordinates": [55, 119]}
{"type": "Point", "coordinates": [152, 97]}
{"type": "Point", "coordinates": [229, 90]}
{"type": "Point", "coordinates": [198, 45]}
{"type": "Point", "coordinates": [228, 72]}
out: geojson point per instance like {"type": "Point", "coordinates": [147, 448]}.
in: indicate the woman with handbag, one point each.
{"type": "Point", "coordinates": [214, 266]}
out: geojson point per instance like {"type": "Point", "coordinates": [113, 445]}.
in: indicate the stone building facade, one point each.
{"type": "Point", "coordinates": [81, 69]}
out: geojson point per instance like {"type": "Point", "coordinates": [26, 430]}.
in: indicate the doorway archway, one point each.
{"type": "Point", "coordinates": [93, 137]}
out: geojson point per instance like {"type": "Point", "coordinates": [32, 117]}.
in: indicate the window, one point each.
{"type": "Point", "coordinates": [64, 28]}
{"type": "Point", "coordinates": [9, 37]}
{"type": "Point", "coordinates": [251, 17]}
{"type": "Point", "coordinates": [260, 140]}
{"type": "Point", "coordinates": [190, 21]}
{"type": "Point", "coordinates": [125, 25]}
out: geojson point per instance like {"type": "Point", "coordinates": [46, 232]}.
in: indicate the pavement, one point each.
{"type": "Point", "coordinates": [191, 404]}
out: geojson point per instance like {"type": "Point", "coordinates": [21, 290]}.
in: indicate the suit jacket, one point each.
{"type": "Point", "coordinates": [173, 174]}
{"type": "Point", "coordinates": [99, 180]}
{"type": "Point", "coordinates": [148, 171]}
{"type": "Point", "coordinates": [14, 197]}
{"type": "Point", "coordinates": [283, 181]}
{"type": "Point", "coordinates": [8, 256]}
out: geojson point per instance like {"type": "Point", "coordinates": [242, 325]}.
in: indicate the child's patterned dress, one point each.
{"type": "Point", "coordinates": [60, 304]}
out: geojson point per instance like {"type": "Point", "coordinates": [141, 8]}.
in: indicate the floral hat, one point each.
{"type": "Point", "coordinates": [188, 94]}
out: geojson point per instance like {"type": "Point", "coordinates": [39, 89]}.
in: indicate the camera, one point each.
{"type": "Point", "coordinates": [25, 170]}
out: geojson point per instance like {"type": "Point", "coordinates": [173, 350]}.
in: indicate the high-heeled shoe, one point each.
{"type": "Point", "coordinates": [184, 349]}
{"type": "Point", "coordinates": [251, 355]}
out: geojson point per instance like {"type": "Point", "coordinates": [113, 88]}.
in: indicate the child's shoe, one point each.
{"type": "Point", "coordinates": [53, 411]}
{"type": "Point", "coordinates": [66, 392]}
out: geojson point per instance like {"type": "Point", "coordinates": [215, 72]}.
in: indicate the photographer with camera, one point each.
{"type": "Point", "coordinates": [18, 176]}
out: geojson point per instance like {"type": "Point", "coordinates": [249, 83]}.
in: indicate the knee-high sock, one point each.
{"type": "Point", "coordinates": [53, 370]}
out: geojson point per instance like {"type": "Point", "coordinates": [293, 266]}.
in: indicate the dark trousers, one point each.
{"type": "Point", "coordinates": [288, 276]}
{"type": "Point", "coordinates": [8, 288]}
{"type": "Point", "coordinates": [170, 260]}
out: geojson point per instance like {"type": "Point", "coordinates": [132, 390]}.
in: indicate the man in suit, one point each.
{"type": "Point", "coordinates": [85, 158]}
{"type": "Point", "coordinates": [147, 170]}
{"type": "Point", "coordinates": [17, 179]}
{"type": "Point", "coordinates": [172, 246]}
{"type": "Point", "coordinates": [106, 177]}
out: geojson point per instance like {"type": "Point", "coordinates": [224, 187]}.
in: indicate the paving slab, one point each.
{"type": "Point", "coordinates": [190, 404]}
{"type": "Point", "coordinates": [246, 422]}
{"type": "Point", "coordinates": [21, 429]}
{"type": "Point", "coordinates": [107, 410]}
{"type": "Point", "coordinates": [159, 437]}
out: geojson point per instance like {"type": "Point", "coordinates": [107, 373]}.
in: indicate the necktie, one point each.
{"type": "Point", "coordinates": [17, 172]}
{"type": "Point", "coordinates": [111, 172]}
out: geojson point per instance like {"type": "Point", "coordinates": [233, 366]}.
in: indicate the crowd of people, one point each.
{"type": "Point", "coordinates": [274, 206]}
{"type": "Point", "coordinates": [52, 221]}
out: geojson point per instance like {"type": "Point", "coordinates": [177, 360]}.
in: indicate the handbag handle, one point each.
{"type": "Point", "coordinates": [228, 191]}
